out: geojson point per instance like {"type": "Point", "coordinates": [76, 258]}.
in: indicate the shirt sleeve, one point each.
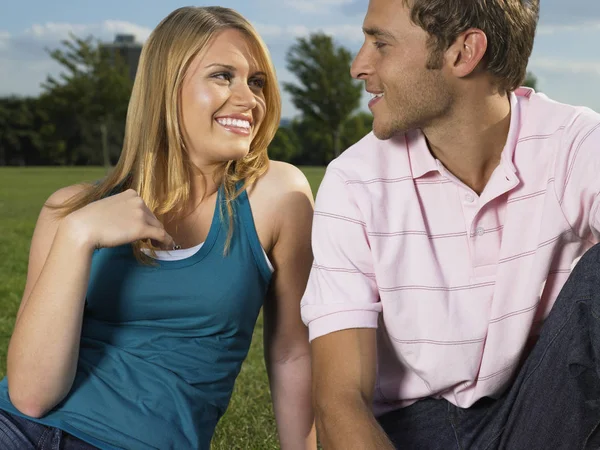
{"type": "Point", "coordinates": [342, 291]}
{"type": "Point", "coordinates": [578, 178]}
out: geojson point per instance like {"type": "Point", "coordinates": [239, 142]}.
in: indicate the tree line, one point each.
{"type": "Point", "coordinates": [79, 117]}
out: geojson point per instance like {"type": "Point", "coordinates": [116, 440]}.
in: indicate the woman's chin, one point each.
{"type": "Point", "coordinates": [237, 154]}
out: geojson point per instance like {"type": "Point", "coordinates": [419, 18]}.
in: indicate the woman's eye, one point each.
{"type": "Point", "coordinates": [223, 76]}
{"type": "Point", "coordinates": [258, 83]}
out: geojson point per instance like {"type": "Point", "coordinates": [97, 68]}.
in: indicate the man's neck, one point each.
{"type": "Point", "coordinates": [470, 142]}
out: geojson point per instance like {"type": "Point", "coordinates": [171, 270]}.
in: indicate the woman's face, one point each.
{"type": "Point", "coordinates": [222, 100]}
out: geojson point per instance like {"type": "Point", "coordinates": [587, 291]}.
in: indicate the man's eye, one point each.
{"type": "Point", "coordinates": [379, 45]}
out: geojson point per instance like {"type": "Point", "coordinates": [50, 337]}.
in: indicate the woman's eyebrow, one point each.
{"type": "Point", "coordinates": [233, 69]}
{"type": "Point", "coordinates": [224, 66]}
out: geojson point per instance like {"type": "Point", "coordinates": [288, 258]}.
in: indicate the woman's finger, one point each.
{"type": "Point", "coordinates": [152, 220]}
{"type": "Point", "coordinates": [160, 235]}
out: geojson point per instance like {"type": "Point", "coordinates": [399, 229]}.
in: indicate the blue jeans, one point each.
{"type": "Point", "coordinates": [554, 401]}
{"type": "Point", "coordinates": [18, 433]}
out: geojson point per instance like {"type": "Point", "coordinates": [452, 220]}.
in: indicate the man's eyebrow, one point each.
{"type": "Point", "coordinates": [378, 32]}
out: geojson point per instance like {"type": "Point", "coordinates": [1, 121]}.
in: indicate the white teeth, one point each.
{"type": "Point", "coordinates": [238, 123]}
{"type": "Point", "coordinates": [377, 95]}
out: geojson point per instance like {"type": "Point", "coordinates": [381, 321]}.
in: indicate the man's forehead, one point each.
{"type": "Point", "coordinates": [386, 18]}
{"type": "Point", "coordinates": [387, 5]}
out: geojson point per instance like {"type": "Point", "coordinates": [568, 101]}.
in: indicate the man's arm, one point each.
{"type": "Point", "coordinates": [344, 371]}
{"type": "Point", "coordinates": [341, 307]}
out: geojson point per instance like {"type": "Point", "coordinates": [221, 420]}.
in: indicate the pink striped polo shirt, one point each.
{"type": "Point", "coordinates": [456, 283]}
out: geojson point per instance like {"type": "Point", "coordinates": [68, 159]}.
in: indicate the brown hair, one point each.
{"type": "Point", "coordinates": [154, 160]}
{"type": "Point", "coordinates": [508, 24]}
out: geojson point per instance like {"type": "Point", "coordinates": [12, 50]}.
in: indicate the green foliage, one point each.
{"type": "Point", "coordinates": [14, 114]}
{"type": "Point", "coordinates": [89, 96]}
{"type": "Point", "coordinates": [24, 132]}
{"type": "Point", "coordinates": [530, 81]}
{"type": "Point", "coordinates": [285, 145]}
{"type": "Point", "coordinates": [326, 94]}
{"type": "Point", "coordinates": [316, 147]}
{"type": "Point", "coordinates": [356, 127]}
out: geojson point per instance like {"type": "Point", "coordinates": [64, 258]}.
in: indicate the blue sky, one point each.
{"type": "Point", "coordinates": [566, 57]}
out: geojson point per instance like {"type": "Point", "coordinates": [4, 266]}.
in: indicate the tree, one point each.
{"type": "Point", "coordinates": [326, 94]}
{"type": "Point", "coordinates": [88, 101]}
{"type": "Point", "coordinates": [315, 146]}
{"type": "Point", "coordinates": [530, 81]}
{"type": "Point", "coordinates": [8, 138]}
{"type": "Point", "coordinates": [285, 145]}
{"type": "Point", "coordinates": [24, 132]}
{"type": "Point", "coordinates": [356, 127]}
{"type": "Point", "coordinates": [315, 142]}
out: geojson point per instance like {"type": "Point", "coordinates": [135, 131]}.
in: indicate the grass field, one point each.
{"type": "Point", "coordinates": [249, 422]}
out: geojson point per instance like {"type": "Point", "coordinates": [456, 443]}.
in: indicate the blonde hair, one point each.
{"type": "Point", "coordinates": [153, 160]}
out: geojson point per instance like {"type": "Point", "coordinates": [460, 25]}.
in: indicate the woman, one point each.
{"type": "Point", "coordinates": [143, 290]}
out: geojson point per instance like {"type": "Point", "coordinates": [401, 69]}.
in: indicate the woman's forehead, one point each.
{"type": "Point", "coordinates": [233, 48]}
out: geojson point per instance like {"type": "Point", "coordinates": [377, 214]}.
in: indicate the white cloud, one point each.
{"type": "Point", "coordinates": [581, 28]}
{"type": "Point", "coordinates": [267, 31]}
{"type": "Point", "coordinates": [345, 32]}
{"type": "Point", "coordinates": [24, 62]}
{"type": "Point", "coordinates": [4, 39]}
{"type": "Point", "coordinates": [298, 30]}
{"type": "Point", "coordinates": [565, 66]}
{"type": "Point", "coordinates": [118, 26]}
{"type": "Point", "coordinates": [21, 77]}
{"type": "Point", "coordinates": [315, 6]}
{"type": "Point", "coordinates": [53, 31]}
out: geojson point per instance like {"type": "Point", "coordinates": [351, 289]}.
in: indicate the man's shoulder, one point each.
{"type": "Point", "coordinates": [545, 116]}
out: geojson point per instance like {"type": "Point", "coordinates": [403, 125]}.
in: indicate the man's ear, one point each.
{"type": "Point", "coordinates": [467, 51]}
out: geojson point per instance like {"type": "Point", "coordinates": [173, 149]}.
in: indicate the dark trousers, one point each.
{"type": "Point", "coordinates": [554, 402]}
{"type": "Point", "coordinates": [17, 433]}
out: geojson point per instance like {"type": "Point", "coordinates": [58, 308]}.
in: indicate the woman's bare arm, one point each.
{"type": "Point", "coordinates": [44, 347]}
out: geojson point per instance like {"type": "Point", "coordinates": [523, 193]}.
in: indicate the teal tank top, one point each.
{"type": "Point", "coordinates": [162, 345]}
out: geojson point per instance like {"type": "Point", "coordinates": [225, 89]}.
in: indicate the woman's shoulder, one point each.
{"type": "Point", "coordinates": [282, 179]}
{"type": "Point", "coordinates": [281, 199]}
{"type": "Point", "coordinates": [63, 195]}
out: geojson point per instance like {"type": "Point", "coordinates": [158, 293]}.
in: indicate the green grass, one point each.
{"type": "Point", "coordinates": [249, 421]}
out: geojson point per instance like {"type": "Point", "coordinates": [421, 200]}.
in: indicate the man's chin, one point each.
{"type": "Point", "coordinates": [383, 133]}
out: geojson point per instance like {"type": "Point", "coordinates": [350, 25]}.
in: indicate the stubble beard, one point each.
{"type": "Point", "coordinates": [401, 119]}
{"type": "Point", "coordinates": [404, 115]}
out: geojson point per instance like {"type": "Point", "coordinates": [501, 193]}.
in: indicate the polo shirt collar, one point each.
{"type": "Point", "coordinates": [422, 161]}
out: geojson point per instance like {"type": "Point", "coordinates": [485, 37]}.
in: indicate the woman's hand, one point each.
{"type": "Point", "coordinates": [116, 220]}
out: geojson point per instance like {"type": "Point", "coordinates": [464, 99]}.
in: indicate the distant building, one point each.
{"type": "Point", "coordinates": [128, 50]}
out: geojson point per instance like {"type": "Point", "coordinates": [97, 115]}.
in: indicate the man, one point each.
{"type": "Point", "coordinates": [443, 239]}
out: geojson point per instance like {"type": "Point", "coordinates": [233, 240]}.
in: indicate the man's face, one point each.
{"type": "Point", "coordinates": [392, 62]}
